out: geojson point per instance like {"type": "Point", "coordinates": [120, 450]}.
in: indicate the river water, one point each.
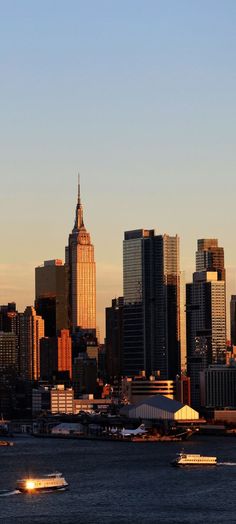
{"type": "Point", "coordinates": [119, 482]}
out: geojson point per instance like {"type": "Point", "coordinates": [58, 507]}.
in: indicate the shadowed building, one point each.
{"type": "Point", "coordinates": [151, 313]}
{"type": "Point", "coordinates": [8, 352]}
{"type": "Point", "coordinates": [233, 320]}
{"type": "Point", "coordinates": [51, 296]}
{"type": "Point", "coordinates": [9, 318]}
{"type": "Point", "coordinates": [114, 338]}
{"type": "Point", "coordinates": [206, 316]}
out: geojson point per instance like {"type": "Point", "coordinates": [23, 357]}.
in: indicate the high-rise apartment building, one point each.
{"type": "Point", "coordinates": [51, 296]}
{"type": "Point", "coordinates": [31, 330]}
{"type": "Point", "coordinates": [151, 313]}
{"type": "Point", "coordinates": [206, 316]}
{"type": "Point", "coordinates": [82, 275]}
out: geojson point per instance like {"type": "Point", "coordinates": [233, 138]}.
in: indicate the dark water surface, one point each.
{"type": "Point", "coordinates": [119, 482]}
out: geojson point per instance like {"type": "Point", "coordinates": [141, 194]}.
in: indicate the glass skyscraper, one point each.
{"type": "Point", "coordinates": [151, 313]}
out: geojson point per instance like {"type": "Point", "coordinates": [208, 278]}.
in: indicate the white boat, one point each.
{"type": "Point", "coordinates": [186, 459]}
{"type": "Point", "coordinates": [54, 481]}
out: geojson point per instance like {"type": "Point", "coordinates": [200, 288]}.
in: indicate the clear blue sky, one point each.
{"type": "Point", "coordinates": [139, 96]}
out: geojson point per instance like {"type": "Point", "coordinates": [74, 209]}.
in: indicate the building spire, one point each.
{"type": "Point", "coordinates": [78, 188]}
{"type": "Point", "coordinates": [79, 222]}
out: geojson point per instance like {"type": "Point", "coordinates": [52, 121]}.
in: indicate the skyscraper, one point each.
{"type": "Point", "coordinates": [114, 338]}
{"type": "Point", "coordinates": [56, 356]}
{"type": "Point", "coordinates": [82, 275]}
{"type": "Point", "coordinates": [8, 351]}
{"type": "Point", "coordinates": [233, 320]}
{"type": "Point", "coordinates": [31, 330]}
{"type": "Point", "coordinates": [210, 257]}
{"type": "Point", "coordinates": [151, 313]}
{"type": "Point", "coordinates": [206, 314]}
{"type": "Point", "coordinates": [51, 296]}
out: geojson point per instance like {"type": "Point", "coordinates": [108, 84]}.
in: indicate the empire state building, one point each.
{"type": "Point", "coordinates": [82, 274]}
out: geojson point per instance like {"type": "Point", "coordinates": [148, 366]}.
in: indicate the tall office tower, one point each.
{"type": "Point", "coordinates": [233, 320]}
{"type": "Point", "coordinates": [210, 257]}
{"type": "Point", "coordinates": [51, 296]}
{"type": "Point", "coordinates": [31, 330]}
{"type": "Point", "coordinates": [206, 321]}
{"type": "Point", "coordinates": [82, 275]}
{"type": "Point", "coordinates": [8, 352]}
{"type": "Point", "coordinates": [151, 313]}
{"type": "Point", "coordinates": [114, 338]}
{"type": "Point", "coordinates": [56, 356]}
{"type": "Point", "coordinates": [183, 345]}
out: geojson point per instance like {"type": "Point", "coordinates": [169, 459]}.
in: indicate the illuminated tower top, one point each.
{"type": "Point", "coordinates": [82, 273]}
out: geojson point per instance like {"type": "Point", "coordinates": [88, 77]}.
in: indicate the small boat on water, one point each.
{"type": "Point", "coordinates": [186, 459]}
{"type": "Point", "coordinates": [52, 482]}
{"type": "Point", "coordinates": [6, 443]}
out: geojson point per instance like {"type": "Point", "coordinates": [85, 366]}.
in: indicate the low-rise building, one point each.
{"type": "Point", "coordinates": [160, 408]}
{"type": "Point", "coordinates": [62, 400]}
{"type": "Point", "coordinates": [140, 388]}
{"type": "Point", "coordinates": [218, 387]}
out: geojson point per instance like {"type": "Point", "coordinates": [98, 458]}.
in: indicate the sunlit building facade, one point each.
{"type": "Point", "coordinates": [31, 330]}
{"type": "Point", "coordinates": [82, 275]}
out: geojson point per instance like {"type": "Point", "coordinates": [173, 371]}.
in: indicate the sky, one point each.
{"type": "Point", "coordinates": [139, 97]}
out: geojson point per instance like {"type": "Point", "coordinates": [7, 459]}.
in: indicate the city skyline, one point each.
{"type": "Point", "coordinates": [22, 303]}
{"type": "Point", "coordinates": [147, 118]}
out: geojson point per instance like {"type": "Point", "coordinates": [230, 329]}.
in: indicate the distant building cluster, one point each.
{"type": "Point", "coordinates": [163, 337]}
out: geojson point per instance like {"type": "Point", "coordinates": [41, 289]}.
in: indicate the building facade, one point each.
{"type": "Point", "coordinates": [206, 316]}
{"type": "Point", "coordinates": [9, 318]}
{"type": "Point", "coordinates": [31, 330]}
{"type": "Point", "coordinates": [140, 388]}
{"type": "Point", "coordinates": [51, 296]}
{"type": "Point", "coordinates": [151, 313]}
{"type": "Point", "coordinates": [56, 357]}
{"type": "Point", "coordinates": [62, 400]}
{"type": "Point", "coordinates": [8, 352]}
{"type": "Point", "coordinates": [233, 320]}
{"type": "Point", "coordinates": [218, 387]}
{"type": "Point", "coordinates": [82, 275]}
{"type": "Point", "coordinates": [114, 338]}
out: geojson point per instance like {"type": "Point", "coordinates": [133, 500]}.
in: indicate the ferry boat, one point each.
{"type": "Point", "coordinates": [54, 481]}
{"type": "Point", "coordinates": [186, 459]}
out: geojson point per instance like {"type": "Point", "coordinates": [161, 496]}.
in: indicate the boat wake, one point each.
{"type": "Point", "coordinates": [226, 464]}
{"type": "Point", "coordinates": [6, 493]}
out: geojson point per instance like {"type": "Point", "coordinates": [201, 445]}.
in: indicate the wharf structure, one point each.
{"type": "Point", "coordinates": [159, 408]}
